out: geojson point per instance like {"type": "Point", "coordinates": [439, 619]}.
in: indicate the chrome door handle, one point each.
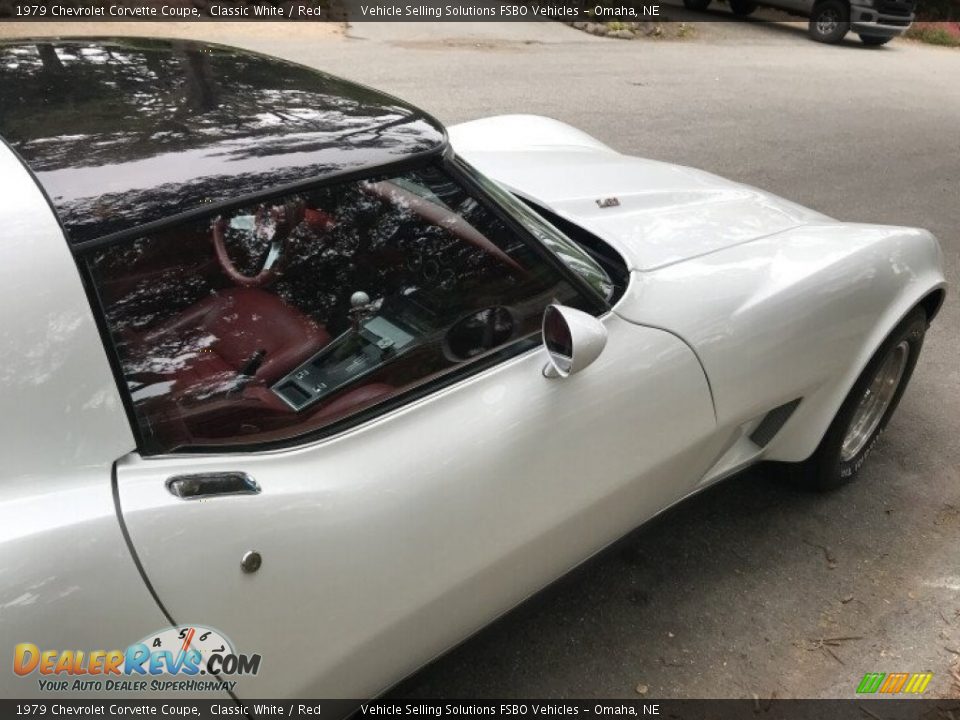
{"type": "Point", "coordinates": [201, 485]}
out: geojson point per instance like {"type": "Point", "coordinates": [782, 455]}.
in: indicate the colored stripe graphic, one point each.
{"type": "Point", "coordinates": [894, 683]}
{"type": "Point", "coordinates": [918, 682]}
{"type": "Point", "coordinates": [870, 683]}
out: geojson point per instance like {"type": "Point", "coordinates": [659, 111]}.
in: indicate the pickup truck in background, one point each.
{"type": "Point", "coordinates": [877, 22]}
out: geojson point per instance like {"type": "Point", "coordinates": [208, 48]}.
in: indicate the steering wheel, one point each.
{"type": "Point", "coordinates": [440, 216]}
{"type": "Point", "coordinates": [274, 223]}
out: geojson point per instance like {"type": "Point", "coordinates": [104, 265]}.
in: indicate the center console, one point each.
{"type": "Point", "coordinates": [393, 329]}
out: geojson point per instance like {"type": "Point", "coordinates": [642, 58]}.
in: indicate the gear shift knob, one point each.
{"type": "Point", "coordinates": [359, 299]}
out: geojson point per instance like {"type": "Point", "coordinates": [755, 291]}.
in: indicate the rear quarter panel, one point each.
{"type": "Point", "coordinates": [67, 580]}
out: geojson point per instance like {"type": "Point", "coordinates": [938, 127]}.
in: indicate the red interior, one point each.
{"type": "Point", "coordinates": [190, 325]}
{"type": "Point", "coordinates": [241, 322]}
{"type": "Point", "coordinates": [201, 349]}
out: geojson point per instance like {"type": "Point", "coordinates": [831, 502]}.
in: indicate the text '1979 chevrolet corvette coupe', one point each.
{"type": "Point", "coordinates": [285, 358]}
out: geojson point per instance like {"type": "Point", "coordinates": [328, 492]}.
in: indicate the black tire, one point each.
{"type": "Point", "coordinates": [742, 8]}
{"type": "Point", "coordinates": [874, 40]}
{"type": "Point", "coordinates": [700, 5]}
{"type": "Point", "coordinates": [829, 21]}
{"type": "Point", "coordinates": [827, 469]}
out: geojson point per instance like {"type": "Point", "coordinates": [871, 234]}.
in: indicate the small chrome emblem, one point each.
{"type": "Point", "coordinates": [608, 202]}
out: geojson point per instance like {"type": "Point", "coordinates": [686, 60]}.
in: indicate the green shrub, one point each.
{"type": "Point", "coordinates": [936, 33]}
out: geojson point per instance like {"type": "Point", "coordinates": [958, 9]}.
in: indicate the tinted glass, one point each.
{"type": "Point", "coordinates": [122, 132]}
{"type": "Point", "coordinates": [284, 317]}
{"type": "Point", "coordinates": [566, 249]}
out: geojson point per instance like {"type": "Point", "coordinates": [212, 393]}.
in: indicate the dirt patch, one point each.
{"type": "Point", "coordinates": [637, 30]}
{"type": "Point", "coordinates": [948, 514]}
{"type": "Point", "coordinates": [466, 44]}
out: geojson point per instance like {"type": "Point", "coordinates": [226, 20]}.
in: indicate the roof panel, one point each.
{"type": "Point", "coordinates": [123, 132]}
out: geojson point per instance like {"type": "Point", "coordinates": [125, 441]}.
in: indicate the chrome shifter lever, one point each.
{"type": "Point", "coordinates": [360, 309]}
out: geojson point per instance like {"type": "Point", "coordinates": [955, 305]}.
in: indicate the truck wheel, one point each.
{"type": "Point", "coordinates": [742, 8]}
{"type": "Point", "coordinates": [865, 411]}
{"type": "Point", "coordinates": [700, 5]}
{"type": "Point", "coordinates": [829, 21]}
{"type": "Point", "coordinates": [874, 40]}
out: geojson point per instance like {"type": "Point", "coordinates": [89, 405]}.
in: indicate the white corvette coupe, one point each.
{"type": "Point", "coordinates": [293, 374]}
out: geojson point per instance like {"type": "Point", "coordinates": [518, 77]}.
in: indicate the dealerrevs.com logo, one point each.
{"type": "Point", "coordinates": [188, 658]}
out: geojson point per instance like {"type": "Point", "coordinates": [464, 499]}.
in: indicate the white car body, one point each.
{"type": "Point", "coordinates": [381, 551]}
{"type": "Point", "coordinates": [724, 265]}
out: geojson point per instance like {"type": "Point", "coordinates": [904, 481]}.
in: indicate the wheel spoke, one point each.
{"type": "Point", "coordinates": [875, 402]}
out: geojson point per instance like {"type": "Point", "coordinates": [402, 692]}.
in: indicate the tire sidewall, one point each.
{"type": "Point", "coordinates": [833, 471]}
{"type": "Point", "coordinates": [843, 27]}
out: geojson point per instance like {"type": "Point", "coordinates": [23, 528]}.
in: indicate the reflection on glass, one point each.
{"type": "Point", "coordinates": [124, 132]}
{"type": "Point", "coordinates": [572, 254]}
{"type": "Point", "coordinates": [297, 313]}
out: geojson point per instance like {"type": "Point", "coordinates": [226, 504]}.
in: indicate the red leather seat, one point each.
{"type": "Point", "coordinates": [217, 336]}
{"type": "Point", "coordinates": [194, 360]}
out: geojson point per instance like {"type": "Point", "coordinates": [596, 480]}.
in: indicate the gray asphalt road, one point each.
{"type": "Point", "coordinates": [730, 594]}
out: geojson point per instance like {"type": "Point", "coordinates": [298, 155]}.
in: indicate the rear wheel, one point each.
{"type": "Point", "coordinates": [742, 8]}
{"type": "Point", "coordinates": [874, 40]}
{"type": "Point", "coordinates": [829, 21]}
{"type": "Point", "coordinates": [696, 4]}
{"type": "Point", "coordinates": [866, 410]}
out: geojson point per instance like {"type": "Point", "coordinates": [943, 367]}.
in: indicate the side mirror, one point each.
{"type": "Point", "coordinates": [573, 340]}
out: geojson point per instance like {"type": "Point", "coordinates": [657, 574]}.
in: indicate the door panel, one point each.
{"type": "Point", "coordinates": [387, 544]}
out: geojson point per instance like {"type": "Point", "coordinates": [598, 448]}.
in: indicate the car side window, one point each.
{"type": "Point", "coordinates": [273, 321]}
